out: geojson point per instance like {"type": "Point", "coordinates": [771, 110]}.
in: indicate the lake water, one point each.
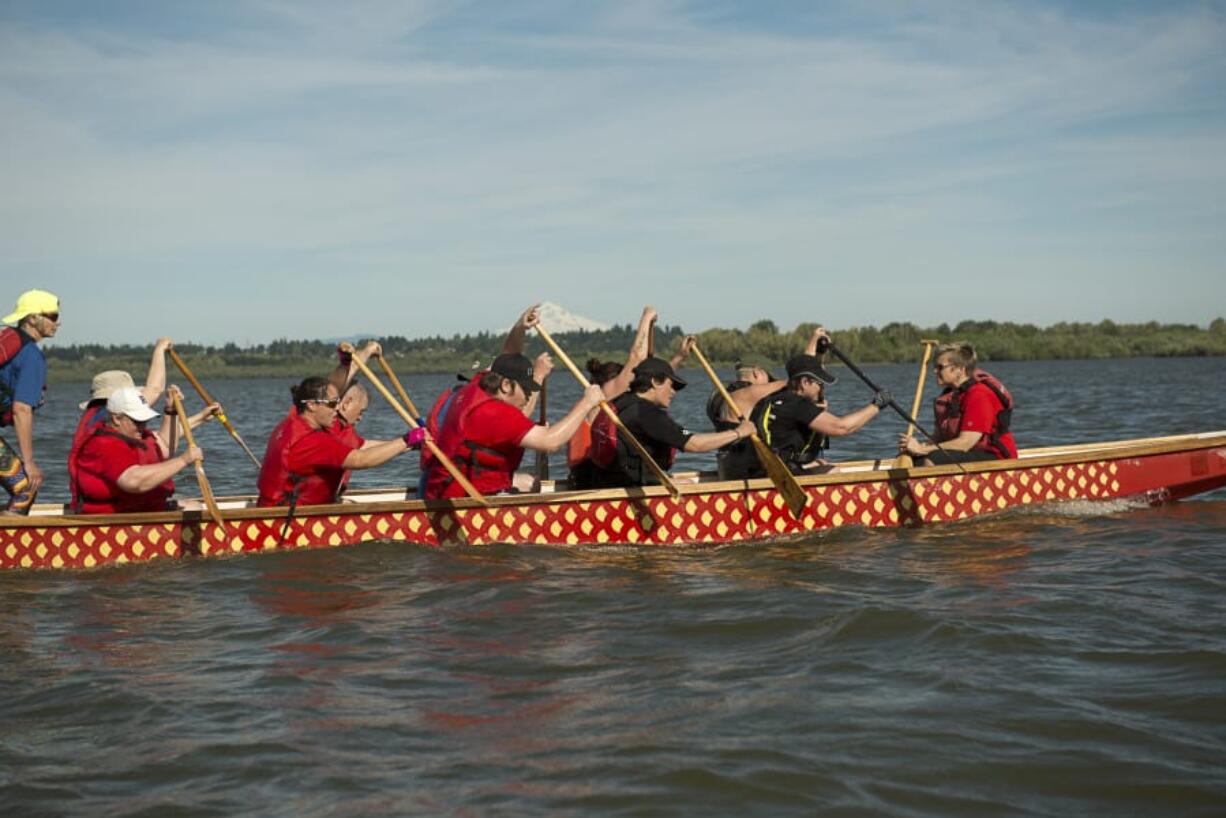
{"type": "Point", "coordinates": [1062, 661]}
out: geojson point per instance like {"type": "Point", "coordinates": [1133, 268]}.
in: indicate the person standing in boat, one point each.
{"type": "Point", "coordinates": [122, 466]}
{"type": "Point", "coordinates": [307, 458]}
{"type": "Point", "coordinates": [23, 380]}
{"type": "Point", "coordinates": [93, 411]}
{"type": "Point", "coordinates": [794, 423]}
{"type": "Point", "coordinates": [973, 413]}
{"type": "Point", "coordinates": [644, 411]}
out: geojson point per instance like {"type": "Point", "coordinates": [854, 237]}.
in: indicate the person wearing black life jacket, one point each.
{"type": "Point", "coordinates": [753, 383]}
{"type": "Point", "coordinates": [794, 423]}
{"type": "Point", "coordinates": [23, 380]}
{"type": "Point", "coordinates": [973, 413]}
{"type": "Point", "coordinates": [614, 379]}
{"type": "Point", "coordinates": [644, 411]}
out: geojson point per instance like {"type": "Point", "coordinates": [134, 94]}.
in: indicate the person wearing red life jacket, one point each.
{"type": "Point", "coordinates": [93, 411]}
{"type": "Point", "coordinates": [486, 430]}
{"type": "Point", "coordinates": [354, 403]}
{"type": "Point", "coordinates": [305, 460]}
{"type": "Point", "coordinates": [644, 411]}
{"type": "Point", "coordinates": [123, 467]}
{"type": "Point", "coordinates": [23, 380]}
{"type": "Point", "coordinates": [973, 413]}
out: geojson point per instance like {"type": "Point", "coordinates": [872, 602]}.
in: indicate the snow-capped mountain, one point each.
{"type": "Point", "coordinates": [557, 318]}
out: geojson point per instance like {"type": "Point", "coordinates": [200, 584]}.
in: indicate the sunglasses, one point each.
{"type": "Point", "coordinates": [51, 316]}
{"type": "Point", "coordinates": [331, 403]}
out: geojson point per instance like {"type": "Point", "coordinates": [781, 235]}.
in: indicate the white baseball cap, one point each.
{"type": "Point", "coordinates": [129, 401]}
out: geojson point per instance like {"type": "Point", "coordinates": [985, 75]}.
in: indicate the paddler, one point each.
{"type": "Point", "coordinates": [94, 413]}
{"type": "Point", "coordinates": [488, 424]}
{"type": "Point", "coordinates": [306, 458]}
{"type": "Point", "coordinates": [122, 466]}
{"type": "Point", "coordinates": [973, 412]}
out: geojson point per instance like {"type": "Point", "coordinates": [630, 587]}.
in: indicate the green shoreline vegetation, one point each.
{"type": "Point", "coordinates": [893, 343]}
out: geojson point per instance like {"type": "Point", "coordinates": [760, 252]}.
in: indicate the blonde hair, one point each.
{"type": "Point", "coordinates": [961, 354]}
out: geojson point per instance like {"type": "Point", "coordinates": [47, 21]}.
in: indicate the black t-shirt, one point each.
{"type": "Point", "coordinates": [783, 422]}
{"type": "Point", "coordinates": [651, 426]}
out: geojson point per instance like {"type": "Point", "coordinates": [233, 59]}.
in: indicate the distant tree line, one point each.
{"type": "Point", "coordinates": [893, 343]}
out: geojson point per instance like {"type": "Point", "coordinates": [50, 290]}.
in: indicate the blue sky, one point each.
{"type": "Point", "coordinates": [252, 170]}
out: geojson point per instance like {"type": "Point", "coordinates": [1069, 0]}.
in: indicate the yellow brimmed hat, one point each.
{"type": "Point", "coordinates": [32, 302]}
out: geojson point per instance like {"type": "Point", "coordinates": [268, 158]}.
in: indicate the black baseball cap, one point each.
{"type": "Point", "coordinates": [658, 368]}
{"type": "Point", "coordinates": [810, 365]}
{"type": "Point", "coordinates": [516, 367]}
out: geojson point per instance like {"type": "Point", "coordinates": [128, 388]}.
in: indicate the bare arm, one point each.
{"type": "Point", "coordinates": [638, 353]}
{"type": "Point", "coordinates": [964, 442]}
{"type": "Point", "coordinates": [710, 441]}
{"type": "Point", "coordinates": [818, 333]}
{"type": "Point", "coordinates": [748, 397]}
{"type": "Point", "coordinates": [514, 343]}
{"type": "Point", "coordinates": [368, 457]}
{"type": "Point", "coordinates": [140, 479]}
{"type": "Point", "coordinates": [23, 423]}
{"type": "Point", "coordinates": [155, 381]}
{"type": "Point", "coordinates": [552, 437]}
{"type": "Point", "coordinates": [687, 346]}
{"type": "Point", "coordinates": [835, 426]}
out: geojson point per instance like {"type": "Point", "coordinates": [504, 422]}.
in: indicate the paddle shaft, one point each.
{"type": "Point", "coordinates": [776, 469]}
{"type": "Point", "coordinates": [626, 435]}
{"type": "Point", "coordinates": [542, 457]}
{"type": "Point", "coordinates": [206, 491]}
{"type": "Point", "coordinates": [458, 475]}
{"type": "Point", "coordinates": [838, 353]}
{"type": "Point", "coordinates": [404, 396]}
{"type": "Point", "coordinates": [903, 461]}
{"type": "Point", "coordinates": [208, 399]}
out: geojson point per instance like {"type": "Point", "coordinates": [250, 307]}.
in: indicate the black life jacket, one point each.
{"type": "Point", "coordinates": [795, 456]}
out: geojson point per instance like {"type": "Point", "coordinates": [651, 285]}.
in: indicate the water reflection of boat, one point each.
{"type": "Point", "coordinates": [708, 511]}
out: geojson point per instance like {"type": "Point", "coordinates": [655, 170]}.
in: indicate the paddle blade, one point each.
{"type": "Point", "coordinates": [903, 462]}
{"type": "Point", "coordinates": [795, 496]}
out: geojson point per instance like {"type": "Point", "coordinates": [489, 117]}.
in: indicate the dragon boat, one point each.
{"type": "Point", "coordinates": [707, 511]}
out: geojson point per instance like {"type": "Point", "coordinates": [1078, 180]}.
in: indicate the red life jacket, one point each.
{"type": "Point", "coordinates": [91, 419]}
{"type": "Point", "coordinates": [948, 412]}
{"type": "Point", "coordinates": [435, 420]}
{"type": "Point", "coordinates": [12, 341]}
{"type": "Point", "coordinates": [579, 448]}
{"type": "Point", "coordinates": [277, 483]}
{"type": "Point", "coordinates": [489, 470]}
{"type": "Point", "coordinates": [99, 496]}
{"type": "Point", "coordinates": [346, 433]}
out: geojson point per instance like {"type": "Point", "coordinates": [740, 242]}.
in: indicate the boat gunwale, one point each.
{"type": "Point", "coordinates": [865, 471]}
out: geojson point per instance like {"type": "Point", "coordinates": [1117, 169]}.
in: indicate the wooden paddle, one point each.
{"type": "Point", "coordinates": [625, 433]}
{"type": "Point", "coordinates": [795, 496]}
{"type": "Point", "coordinates": [903, 461]}
{"type": "Point", "coordinates": [413, 424]}
{"type": "Point", "coordinates": [206, 491]}
{"type": "Point", "coordinates": [208, 399]}
{"type": "Point", "coordinates": [404, 396]}
{"type": "Point", "coordinates": [542, 457]}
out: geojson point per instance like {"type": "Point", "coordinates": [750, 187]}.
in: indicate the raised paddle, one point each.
{"type": "Point", "coordinates": [208, 399]}
{"type": "Point", "coordinates": [622, 431]}
{"type": "Point", "coordinates": [903, 461]}
{"type": "Point", "coordinates": [206, 491]}
{"type": "Point", "coordinates": [892, 403]}
{"type": "Point", "coordinates": [795, 496]}
{"type": "Point", "coordinates": [404, 396]}
{"type": "Point", "coordinates": [413, 424]}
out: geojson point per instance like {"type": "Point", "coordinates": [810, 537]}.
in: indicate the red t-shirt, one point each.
{"type": "Point", "coordinates": [979, 408]}
{"type": "Point", "coordinates": [103, 459]}
{"type": "Point", "coordinates": [492, 425]}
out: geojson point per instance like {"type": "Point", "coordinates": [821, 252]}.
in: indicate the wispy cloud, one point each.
{"type": "Point", "coordinates": [718, 161]}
